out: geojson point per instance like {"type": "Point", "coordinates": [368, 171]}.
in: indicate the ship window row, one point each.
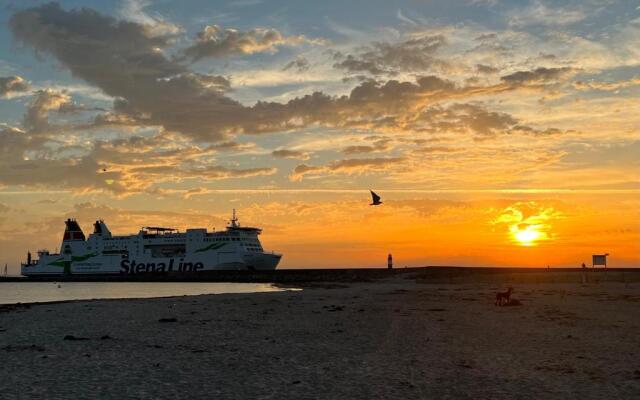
{"type": "Point", "coordinates": [223, 239]}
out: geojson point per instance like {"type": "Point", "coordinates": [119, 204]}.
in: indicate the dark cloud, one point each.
{"type": "Point", "coordinates": [295, 154]}
{"type": "Point", "coordinates": [486, 69]}
{"type": "Point", "coordinates": [348, 166]}
{"type": "Point", "coordinates": [126, 62]}
{"type": "Point", "coordinates": [302, 169]}
{"type": "Point", "coordinates": [474, 120]}
{"type": "Point", "coordinates": [413, 55]}
{"type": "Point", "coordinates": [378, 145]}
{"type": "Point", "coordinates": [214, 41]}
{"type": "Point", "coordinates": [486, 36]}
{"type": "Point", "coordinates": [369, 104]}
{"type": "Point", "coordinates": [538, 76]}
{"type": "Point", "coordinates": [12, 84]}
{"type": "Point", "coordinates": [300, 64]}
{"type": "Point", "coordinates": [230, 145]}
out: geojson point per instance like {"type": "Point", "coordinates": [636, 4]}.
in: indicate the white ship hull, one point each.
{"type": "Point", "coordinates": [236, 248]}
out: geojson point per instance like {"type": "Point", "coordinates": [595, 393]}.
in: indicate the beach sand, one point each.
{"type": "Point", "coordinates": [403, 337]}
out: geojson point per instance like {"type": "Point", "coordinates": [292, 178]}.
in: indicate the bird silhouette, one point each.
{"type": "Point", "coordinates": [375, 199]}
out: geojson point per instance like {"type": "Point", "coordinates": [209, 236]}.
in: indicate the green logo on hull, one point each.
{"type": "Point", "coordinates": [61, 263]}
{"type": "Point", "coordinates": [212, 246]}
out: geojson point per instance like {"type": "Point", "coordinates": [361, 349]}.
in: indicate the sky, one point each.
{"type": "Point", "coordinates": [498, 133]}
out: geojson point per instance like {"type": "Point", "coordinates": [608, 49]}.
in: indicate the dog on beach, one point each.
{"type": "Point", "coordinates": [503, 298]}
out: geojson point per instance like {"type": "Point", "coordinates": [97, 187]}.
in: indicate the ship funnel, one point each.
{"type": "Point", "coordinates": [100, 228]}
{"type": "Point", "coordinates": [72, 231]}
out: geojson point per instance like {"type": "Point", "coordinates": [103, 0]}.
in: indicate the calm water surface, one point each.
{"type": "Point", "coordinates": [29, 292]}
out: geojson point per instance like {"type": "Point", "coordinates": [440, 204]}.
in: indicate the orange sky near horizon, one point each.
{"type": "Point", "coordinates": [438, 229]}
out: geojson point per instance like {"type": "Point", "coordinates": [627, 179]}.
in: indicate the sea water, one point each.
{"type": "Point", "coordinates": [32, 292]}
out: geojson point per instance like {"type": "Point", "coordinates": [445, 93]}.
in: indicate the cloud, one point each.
{"type": "Point", "coordinates": [231, 146]}
{"type": "Point", "coordinates": [536, 13]}
{"type": "Point", "coordinates": [156, 25]}
{"type": "Point", "coordinates": [12, 84]}
{"type": "Point", "coordinates": [140, 162]}
{"type": "Point", "coordinates": [528, 222]}
{"type": "Point", "coordinates": [79, 173]}
{"type": "Point", "coordinates": [473, 120]}
{"type": "Point", "coordinates": [606, 86]}
{"type": "Point", "coordinates": [404, 18]}
{"type": "Point", "coordinates": [126, 62]}
{"type": "Point", "coordinates": [414, 55]}
{"type": "Point", "coordinates": [301, 170]}
{"type": "Point", "coordinates": [378, 145]}
{"type": "Point", "coordinates": [45, 100]}
{"type": "Point", "coordinates": [284, 153]}
{"type": "Point", "coordinates": [12, 142]}
{"type": "Point", "coordinates": [204, 172]}
{"type": "Point", "coordinates": [186, 110]}
{"type": "Point", "coordinates": [539, 76]}
{"type": "Point", "coordinates": [436, 150]}
{"type": "Point", "coordinates": [346, 166]}
{"type": "Point", "coordinates": [368, 105]}
{"type": "Point", "coordinates": [124, 166]}
{"type": "Point", "coordinates": [486, 69]}
{"type": "Point", "coordinates": [213, 41]}
{"type": "Point", "coordinates": [300, 64]}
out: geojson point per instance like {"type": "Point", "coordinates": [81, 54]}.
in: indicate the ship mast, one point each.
{"type": "Point", "coordinates": [234, 220]}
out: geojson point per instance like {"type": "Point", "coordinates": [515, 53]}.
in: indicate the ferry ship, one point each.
{"type": "Point", "coordinates": [153, 249]}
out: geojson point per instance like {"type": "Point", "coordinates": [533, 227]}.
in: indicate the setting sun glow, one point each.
{"type": "Point", "coordinates": [527, 236]}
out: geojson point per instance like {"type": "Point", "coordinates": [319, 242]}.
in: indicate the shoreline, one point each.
{"type": "Point", "coordinates": [285, 276]}
{"type": "Point", "coordinates": [29, 294]}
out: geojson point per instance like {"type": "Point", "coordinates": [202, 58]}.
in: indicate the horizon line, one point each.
{"type": "Point", "coordinates": [308, 190]}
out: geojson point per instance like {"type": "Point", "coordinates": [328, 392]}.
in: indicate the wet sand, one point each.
{"type": "Point", "coordinates": [407, 336]}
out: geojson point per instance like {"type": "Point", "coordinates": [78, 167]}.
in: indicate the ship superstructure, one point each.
{"type": "Point", "coordinates": [153, 249]}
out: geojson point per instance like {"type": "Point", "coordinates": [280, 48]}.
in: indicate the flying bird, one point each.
{"type": "Point", "coordinates": [375, 199]}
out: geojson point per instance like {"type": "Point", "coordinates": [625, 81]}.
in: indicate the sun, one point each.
{"type": "Point", "coordinates": [527, 236]}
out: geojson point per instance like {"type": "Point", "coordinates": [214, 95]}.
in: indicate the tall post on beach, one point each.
{"type": "Point", "coordinates": [584, 274]}
{"type": "Point", "coordinates": [389, 261]}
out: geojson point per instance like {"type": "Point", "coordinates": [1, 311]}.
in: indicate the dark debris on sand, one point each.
{"type": "Point", "coordinates": [77, 338]}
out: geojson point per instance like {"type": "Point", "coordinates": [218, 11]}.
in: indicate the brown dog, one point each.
{"type": "Point", "coordinates": [503, 298]}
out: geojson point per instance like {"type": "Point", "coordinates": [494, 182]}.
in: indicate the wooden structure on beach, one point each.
{"type": "Point", "coordinates": [599, 260]}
